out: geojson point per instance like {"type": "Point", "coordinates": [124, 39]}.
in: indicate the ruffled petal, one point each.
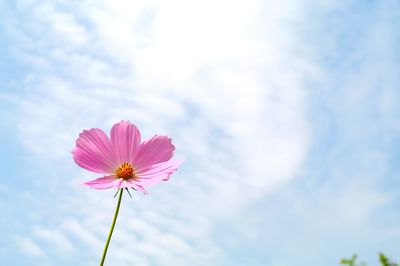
{"type": "Point", "coordinates": [102, 182]}
{"type": "Point", "coordinates": [125, 141]}
{"type": "Point", "coordinates": [156, 150]}
{"type": "Point", "coordinates": [156, 173]}
{"type": "Point", "coordinates": [93, 151]}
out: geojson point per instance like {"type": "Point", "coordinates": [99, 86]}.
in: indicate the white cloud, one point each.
{"type": "Point", "coordinates": [54, 238]}
{"type": "Point", "coordinates": [28, 246]}
{"type": "Point", "coordinates": [77, 230]}
{"type": "Point", "coordinates": [229, 91]}
{"type": "Point", "coordinates": [228, 84]}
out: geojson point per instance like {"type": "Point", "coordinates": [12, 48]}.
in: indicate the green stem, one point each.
{"type": "Point", "coordinates": [112, 227]}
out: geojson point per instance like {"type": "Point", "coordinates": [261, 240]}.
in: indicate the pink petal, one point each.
{"type": "Point", "coordinates": [130, 184]}
{"type": "Point", "coordinates": [125, 140]}
{"type": "Point", "coordinates": [93, 151]}
{"type": "Point", "coordinates": [102, 182]}
{"type": "Point", "coordinates": [151, 181]}
{"type": "Point", "coordinates": [158, 149]}
{"type": "Point", "coordinates": [155, 169]}
{"type": "Point", "coordinates": [156, 173]}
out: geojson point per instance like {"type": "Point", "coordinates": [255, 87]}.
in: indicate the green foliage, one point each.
{"type": "Point", "coordinates": [385, 261]}
{"type": "Point", "coordinates": [353, 261]}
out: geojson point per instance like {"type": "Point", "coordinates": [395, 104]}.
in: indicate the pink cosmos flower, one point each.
{"type": "Point", "coordinates": [125, 161]}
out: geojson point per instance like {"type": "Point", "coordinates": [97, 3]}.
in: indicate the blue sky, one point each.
{"type": "Point", "coordinates": [285, 114]}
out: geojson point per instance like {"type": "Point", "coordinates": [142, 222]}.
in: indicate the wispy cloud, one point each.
{"type": "Point", "coordinates": [28, 247]}
{"type": "Point", "coordinates": [228, 95]}
{"type": "Point", "coordinates": [234, 87]}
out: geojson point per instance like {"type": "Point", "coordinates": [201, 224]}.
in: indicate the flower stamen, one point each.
{"type": "Point", "coordinates": [125, 171]}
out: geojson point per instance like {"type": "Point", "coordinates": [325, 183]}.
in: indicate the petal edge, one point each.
{"type": "Point", "coordinates": [157, 149]}
{"type": "Point", "coordinates": [102, 182]}
{"type": "Point", "coordinates": [93, 151]}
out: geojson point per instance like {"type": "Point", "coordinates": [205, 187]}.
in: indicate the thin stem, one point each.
{"type": "Point", "coordinates": [112, 227]}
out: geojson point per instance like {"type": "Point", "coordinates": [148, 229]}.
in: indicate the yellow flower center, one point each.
{"type": "Point", "coordinates": [125, 171]}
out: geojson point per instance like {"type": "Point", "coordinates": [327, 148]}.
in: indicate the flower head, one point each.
{"type": "Point", "coordinates": [125, 161]}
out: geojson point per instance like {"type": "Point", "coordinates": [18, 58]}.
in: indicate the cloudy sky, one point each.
{"type": "Point", "coordinates": [285, 114]}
